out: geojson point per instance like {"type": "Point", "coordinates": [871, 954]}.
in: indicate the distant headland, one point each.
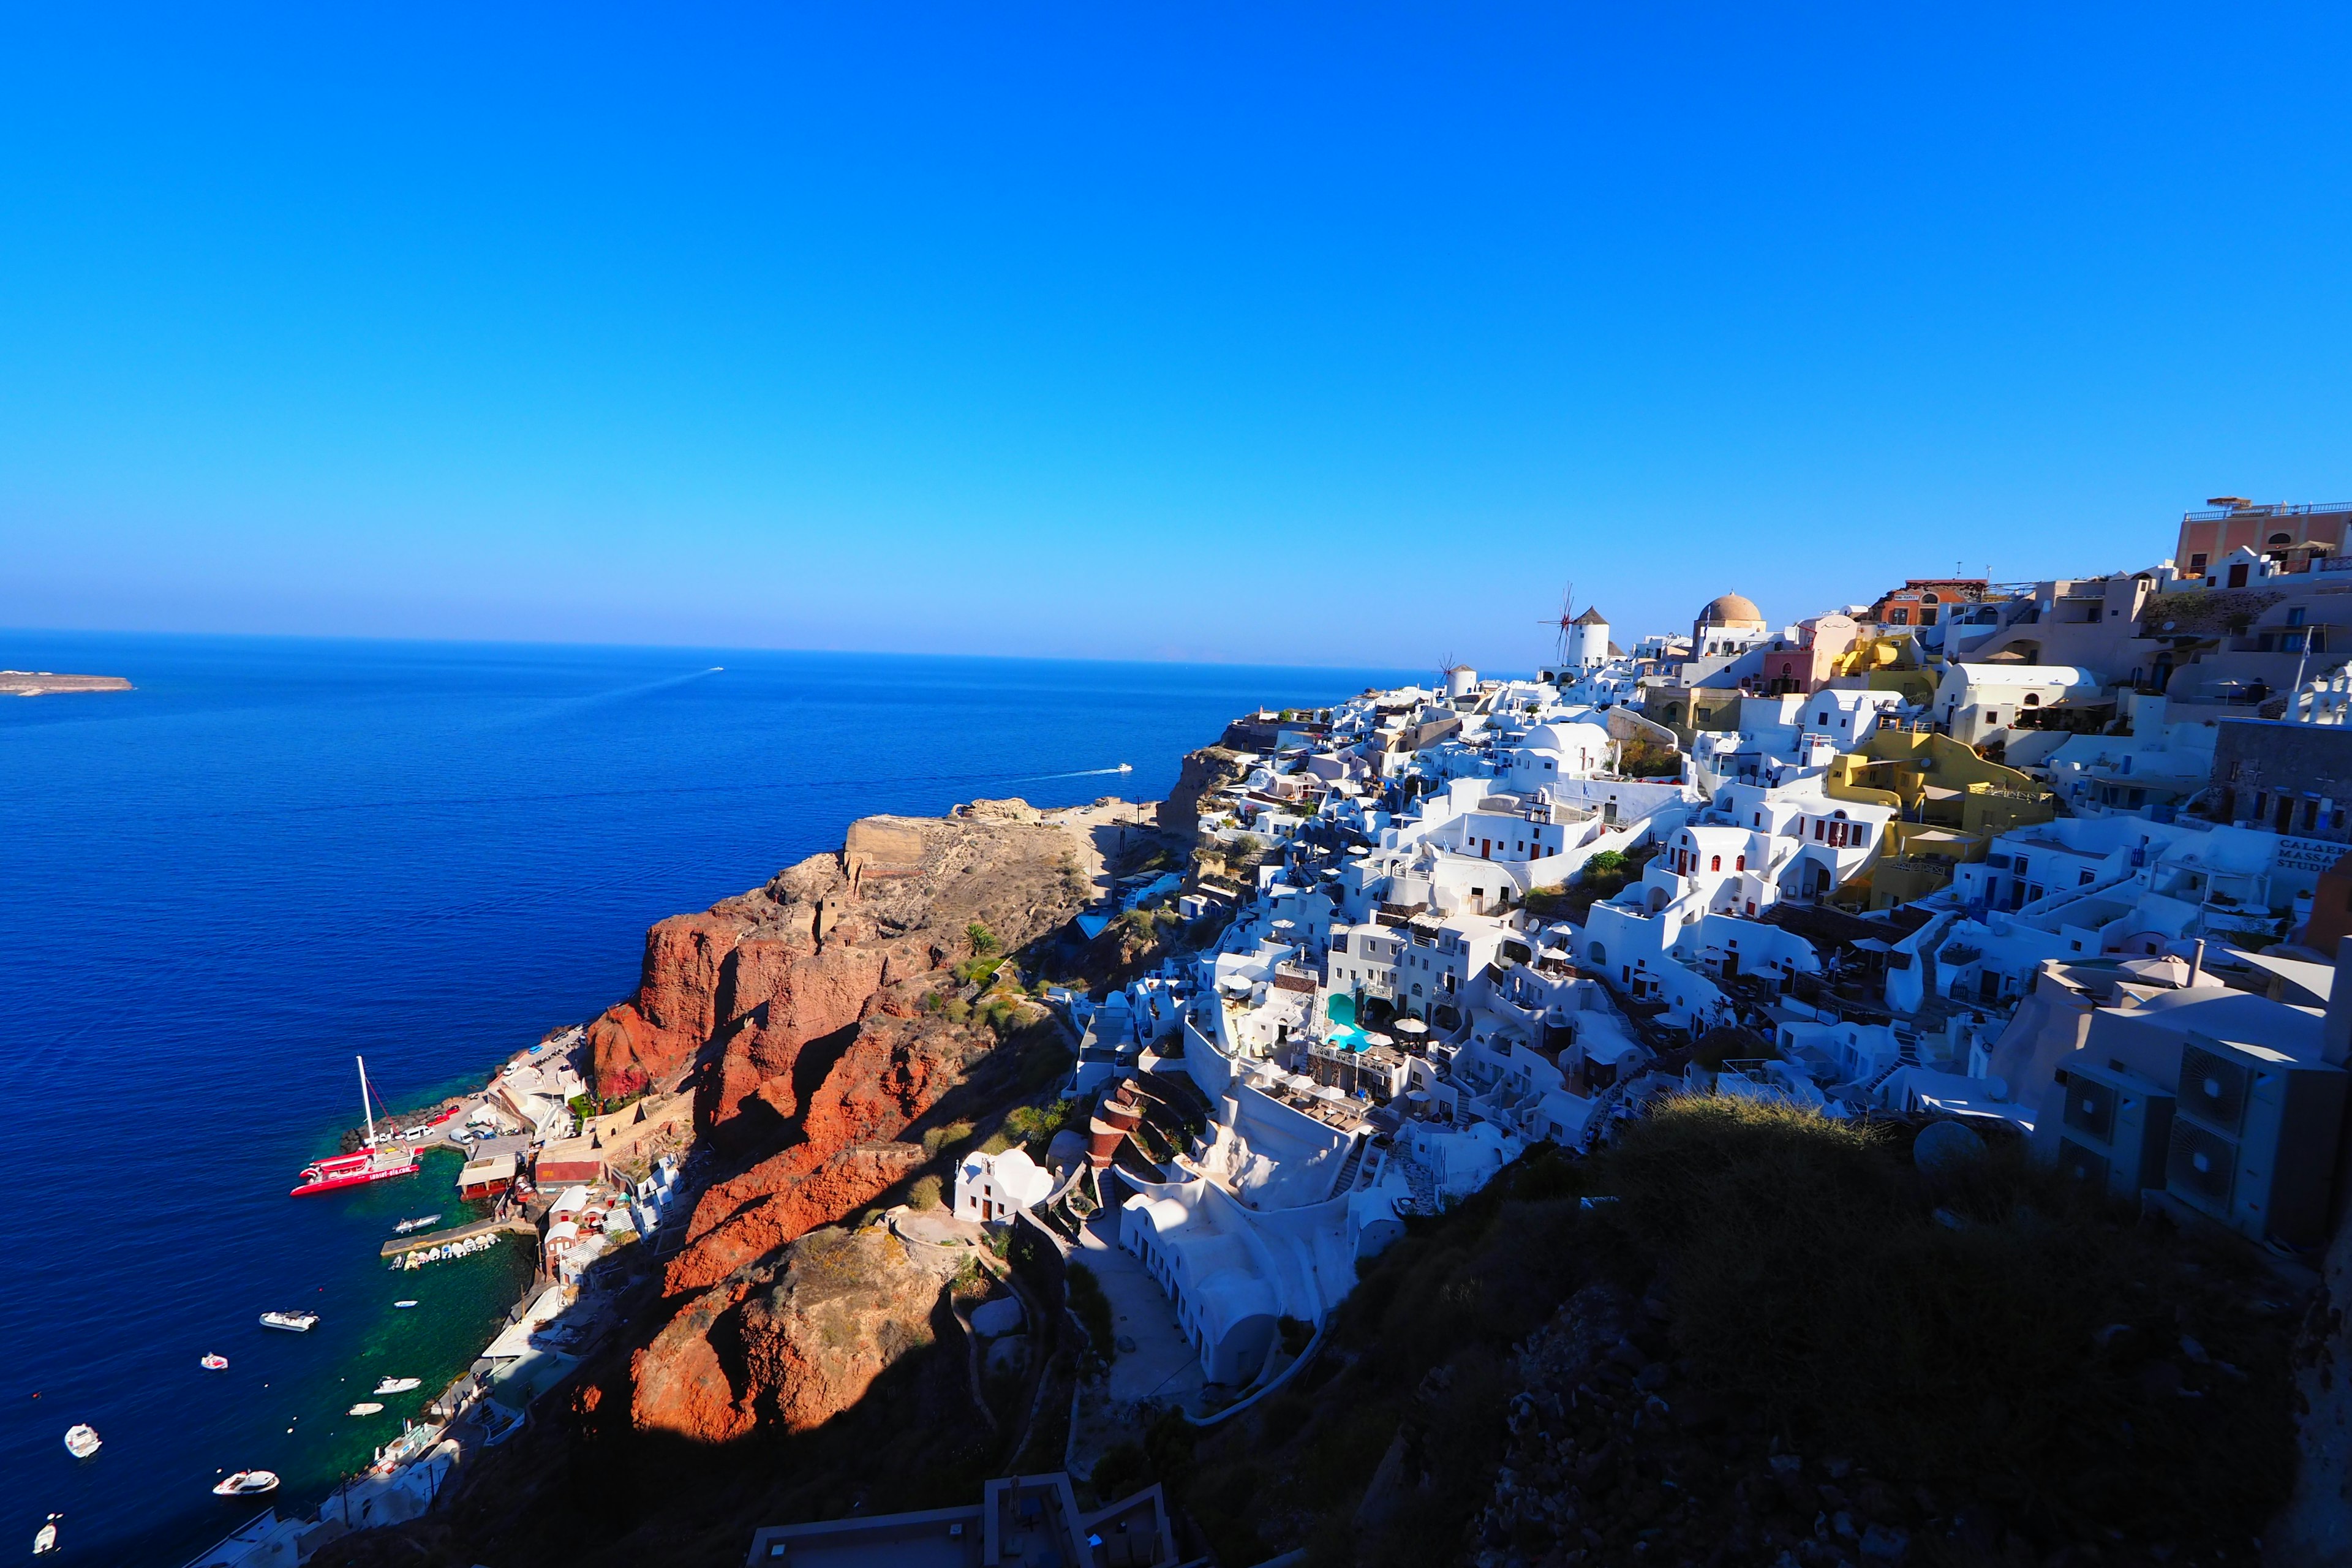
{"type": "Point", "coordinates": [43, 683]}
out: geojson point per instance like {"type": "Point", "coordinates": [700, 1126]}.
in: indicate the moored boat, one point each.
{"type": "Point", "coordinates": [213, 1363]}
{"type": "Point", "coordinates": [44, 1540]}
{"type": "Point", "coordinates": [366, 1407]}
{"type": "Point", "coordinates": [397, 1385]}
{"type": "Point", "coordinates": [248, 1483]}
{"type": "Point", "coordinates": [379, 1161]}
{"type": "Point", "coordinates": [82, 1441]}
{"type": "Point", "coordinates": [409, 1226]}
{"type": "Point", "coordinates": [292, 1323]}
{"type": "Point", "coordinates": [404, 1305]}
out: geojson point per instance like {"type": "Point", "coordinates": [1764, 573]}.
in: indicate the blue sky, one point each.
{"type": "Point", "coordinates": [1336, 334]}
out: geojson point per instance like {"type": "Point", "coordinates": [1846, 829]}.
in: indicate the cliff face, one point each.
{"type": "Point", "coordinates": [727, 999]}
{"type": "Point", "coordinates": [1211, 768]}
{"type": "Point", "coordinates": [796, 1014]}
{"type": "Point", "coordinates": [793, 1342]}
{"type": "Point", "coordinates": [893, 1070]}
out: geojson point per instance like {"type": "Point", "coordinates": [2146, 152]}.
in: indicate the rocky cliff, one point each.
{"type": "Point", "coordinates": [727, 999]}
{"type": "Point", "coordinates": [813, 1020]}
{"type": "Point", "coordinates": [1210, 768]}
{"type": "Point", "coordinates": [793, 1341]}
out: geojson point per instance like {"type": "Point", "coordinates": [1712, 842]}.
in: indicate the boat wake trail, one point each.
{"type": "Point", "coordinates": [569, 706]}
{"type": "Point", "coordinates": [1072, 774]}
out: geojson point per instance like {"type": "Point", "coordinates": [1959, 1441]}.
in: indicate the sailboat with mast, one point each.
{"type": "Point", "coordinates": [376, 1160]}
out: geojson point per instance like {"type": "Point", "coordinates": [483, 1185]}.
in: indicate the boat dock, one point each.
{"type": "Point", "coordinates": [516, 1223]}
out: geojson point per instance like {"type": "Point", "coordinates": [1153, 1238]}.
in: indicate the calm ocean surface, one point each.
{"type": "Point", "coordinates": [215, 889]}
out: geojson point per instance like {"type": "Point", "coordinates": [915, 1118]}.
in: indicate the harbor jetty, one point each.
{"type": "Point", "coordinates": [514, 1224]}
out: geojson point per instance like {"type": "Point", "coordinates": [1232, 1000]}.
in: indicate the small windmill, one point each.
{"type": "Point", "coordinates": [1566, 621]}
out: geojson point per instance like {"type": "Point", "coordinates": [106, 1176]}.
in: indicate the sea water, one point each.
{"type": "Point", "coordinates": [273, 855]}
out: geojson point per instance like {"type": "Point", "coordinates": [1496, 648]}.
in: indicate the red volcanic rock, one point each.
{"type": "Point", "coordinates": [893, 1071]}
{"type": "Point", "coordinates": [680, 1383]}
{"type": "Point", "coordinates": [773, 1322]}
{"type": "Point", "coordinates": [813, 1333]}
{"type": "Point", "coordinates": [775, 997]}
{"type": "Point", "coordinates": [625, 1054]}
{"type": "Point", "coordinates": [750, 981]}
{"type": "Point", "coordinates": [678, 994]}
{"type": "Point", "coordinates": [652, 1038]}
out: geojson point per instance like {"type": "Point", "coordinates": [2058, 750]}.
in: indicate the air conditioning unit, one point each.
{"type": "Point", "coordinates": [2085, 1164]}
{"type": "Point", "coordinates": [2253, 1144]}
{"type": "Point", "coordinates": [2110, 1126]}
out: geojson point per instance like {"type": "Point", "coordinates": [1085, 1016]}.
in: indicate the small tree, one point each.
{"type": "Point", "coordinates": [983, 940]}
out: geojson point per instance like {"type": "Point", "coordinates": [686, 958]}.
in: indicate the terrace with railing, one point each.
{"type": "Point", "coordinates": [2266, 509]}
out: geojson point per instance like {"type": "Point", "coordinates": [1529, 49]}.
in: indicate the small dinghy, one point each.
{"type": "Point", "coordinates": [292, 1323]}
{"type": "Point", "coordinates": [81, 1442]}
{"type": "Point", "coordinates": [404, 1306]}
{"type": "Point", "coordinates": [397, 1385]}
{"type": "Point", "coordinates": [408, 1226]}
{"type": "Point", "coordinates": [366, 1407]}
{"type": "Point", "coordinates": [44, 1540]}
{"type": "Point", "coordinates": [213, 1363]}
{"type": "Point", "coordinates": [248, 1483]}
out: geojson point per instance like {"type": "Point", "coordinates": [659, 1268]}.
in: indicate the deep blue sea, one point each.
{"type": "Point", "coordinates": [216, 889]}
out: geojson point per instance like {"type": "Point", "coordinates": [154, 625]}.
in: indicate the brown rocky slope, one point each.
{"type": "Point", "coordinates": [807, 1018]}
{"type": "Point", "coordinates": [822, 1026]}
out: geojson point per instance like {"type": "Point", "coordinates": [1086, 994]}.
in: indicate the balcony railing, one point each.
{"type": "Point", "coordinates": [2267, 509]}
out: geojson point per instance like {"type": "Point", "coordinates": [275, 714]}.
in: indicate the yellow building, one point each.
{"type": "Point", "coordinates": [1934, 779]}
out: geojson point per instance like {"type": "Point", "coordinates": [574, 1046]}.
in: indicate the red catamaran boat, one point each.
{"type": "Point", "coordinates": [375, 1162]}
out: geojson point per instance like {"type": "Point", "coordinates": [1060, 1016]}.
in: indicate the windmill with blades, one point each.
{"type": "Point", "coordinates": [1456, 680]}
{"type": "Point", "coordinates": [1583, 642]}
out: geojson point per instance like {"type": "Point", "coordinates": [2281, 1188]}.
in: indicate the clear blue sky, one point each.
{"type": "Point", "coordinates": [1248, 331]}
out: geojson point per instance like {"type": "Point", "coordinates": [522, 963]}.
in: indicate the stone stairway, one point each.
{"type": "Point", "coordinates": [1350, 1168]}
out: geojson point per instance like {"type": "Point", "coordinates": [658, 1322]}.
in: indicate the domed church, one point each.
{"type": "Point", "coordinates": [1730, 623]}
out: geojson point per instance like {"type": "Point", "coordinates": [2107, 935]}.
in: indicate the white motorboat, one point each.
{"type": "Point", "coordinates": [404, 1306]}
{"type": "Point", "coordinates": [366, 1407]}
{"type": "Point", "coordinates": [397, 1385]}
{"type": "Point", "coordinates": [292, 1323]}
{"type": "Point", "coordinates": [82, 1441]}
{"type": "Point", "coordinates": [408, 1226]}
{"type": "Point", "coordinates": [248, 1483]}
{"type": "Point", "coordinates": [44, 1540]}
{"type": "Point", "coordinates": [211, 1362]}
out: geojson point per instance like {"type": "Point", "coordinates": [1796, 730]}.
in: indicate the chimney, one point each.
{"type": "Point", "coordinates": [2336, 1032]}
{"type": "Point", "coordinates": [2196, 963]}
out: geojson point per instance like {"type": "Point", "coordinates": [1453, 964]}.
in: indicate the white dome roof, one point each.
{"type": "Point", "coordinates": [1566, 737]}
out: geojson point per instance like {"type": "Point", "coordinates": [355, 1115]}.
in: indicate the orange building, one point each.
{"type": "Point", "coordinates": [1922, 601]}
{"type": "Point", "coordinates": [2271, 529]}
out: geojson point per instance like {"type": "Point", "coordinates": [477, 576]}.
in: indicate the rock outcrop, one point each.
{"type": "Point", "coordinates": [806, 1018]}
{"type": "Point", "coordinates": [893, 1070]}
{"type": "Point", "coordinates": [727, 999]}
{"type": "Point", "coordinates": [1210, 768]}
{"type": "Point", "coordinates": [794, 1342]}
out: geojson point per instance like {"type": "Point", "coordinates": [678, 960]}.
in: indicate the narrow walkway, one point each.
{"type": "Point", "coordinates": [1162, 1369]}
{"type": "Point", "coordinates": [1164, 1365]}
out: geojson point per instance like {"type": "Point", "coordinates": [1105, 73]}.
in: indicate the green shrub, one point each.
{"type": "Point", "coordinates": [939, 1140]}
{"type": "Point", "coordinates": [926, 1194]}
{"type": "Point", "coordinates": [983, 939]}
